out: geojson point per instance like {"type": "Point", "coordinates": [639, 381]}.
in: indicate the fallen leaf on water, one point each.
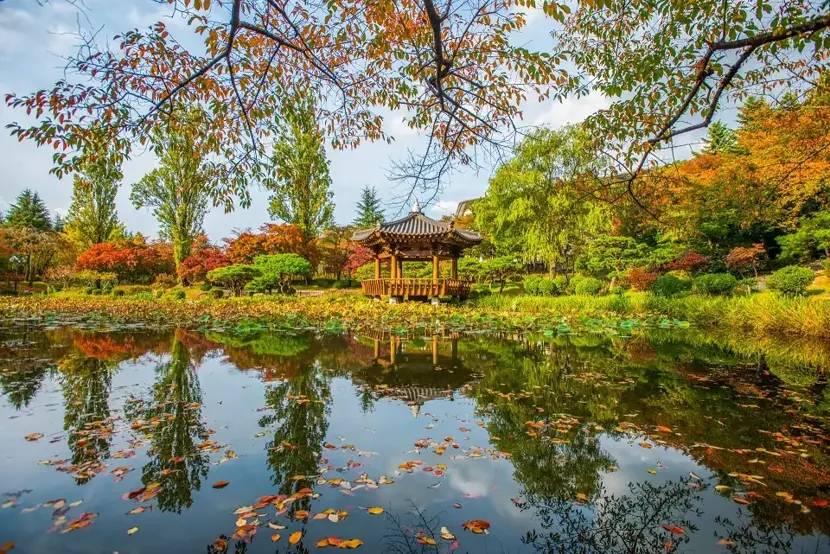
{"type": "Point", "coordinates": [84, 521]}
{"type": "Point", "coordinates": [673, 529]}
{"type": "Point", "coordinates": [375, 510]}
{"type": "Point", "coordinates": [423, 538]}
{"type": "Point", "coordinates": [275, 537]}
{"type": "Point", "coordinates": [31, 437]}
{"type": "Point", "coordinates": [295, 537]}
{"type": "Point", "coordinates": [132, 530]}
{"type": "Point", "coordinates": [220, 544]}
{"type": "Point", "coordinates": [350, 544]}
{"type": "Point", "coordinates": [723, 488]}
{"type": "Point", "coordinates": [221, 484]}
{"type": "Point", "coordinates": [477, 526]}
{"type": "Point", "coordinates": [6, 547]}
{"type": "Point", "coordinates": [446, 535]}
{"type": "Point", "coordinates": [819, 502]}
{"type": "Point", "coordinates": [137, 510]}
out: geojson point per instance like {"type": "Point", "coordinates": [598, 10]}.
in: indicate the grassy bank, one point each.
{"type": "Point", "coordinates": [760, 315]}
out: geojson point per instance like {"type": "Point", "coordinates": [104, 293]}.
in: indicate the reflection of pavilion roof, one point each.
{"type": "Point", "coordinates": [418, 227]}
{"type": "Point", "coordinates": [414, 396]}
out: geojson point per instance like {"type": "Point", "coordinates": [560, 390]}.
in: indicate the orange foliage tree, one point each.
{"type": "Point", "coordinates": [272, 238]}
{"type": "Point", "coordinates": [134, 261]}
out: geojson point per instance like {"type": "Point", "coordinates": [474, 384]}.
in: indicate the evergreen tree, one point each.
{"type": "Point", "coordinates": [300, 182]}
{"type": "Point", "coordinates": [721, 140]}
{"type": "Point", "coordinates": [369, 211]}
{"type": "Point", "coordinates": [30, 212]}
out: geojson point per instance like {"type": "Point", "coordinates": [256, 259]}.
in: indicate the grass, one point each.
{"type": "Point", "coordinates": [764, 313]}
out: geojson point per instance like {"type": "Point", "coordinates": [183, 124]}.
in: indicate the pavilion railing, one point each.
{"type": "Point", "coordinates": [415, 287]}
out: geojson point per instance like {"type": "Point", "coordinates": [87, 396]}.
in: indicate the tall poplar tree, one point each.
{"type": "Point", "coordinates": [180, 189]}
{"type": "Point", "coordinates": [299, 178]}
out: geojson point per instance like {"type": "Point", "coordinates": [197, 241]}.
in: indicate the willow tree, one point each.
{"type": "Point", "coordinates": [299, 178]}
{"type": "Point", "coordinates": [180, 189]}
{"type": "Point", "coordinates": [535, 203]}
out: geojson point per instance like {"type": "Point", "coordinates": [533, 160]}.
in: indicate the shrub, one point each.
{"type": "Point", "coordinates": [641, 278]}
{"type": "Point", "coordinates": [118, 292]}
{"type": "Point", "coordinates": [530, 284]}
{"type": "Point", "coordinates": [217, 293]}
{"type": "Point", "coordinates": [670, 285]}
{"type": "Point", "coordinates": [165, 280]}
{"type": "Point", "coordinates": [235, 277]}
{"type": "Point", "coordinates": [791, 280]}
{"type": "Point", "coordinates": [132, 261]}
{"type": "Point", "coordinates": [690, 261]}
{"type": "Point", "coordinates": [179, 294]}
{"type": "Point", "coordinates": [537, 285]}
{"type": "Point", "coordinates": [742, 258]}
{"type": "Point", "coordinates": [205, 286]}
{"type": "Point", "coordinates": [715, 283]}
{"type": "Point", "coordinates": [342, 284]}
{"type": "Point", "coordinates": [586, 286]}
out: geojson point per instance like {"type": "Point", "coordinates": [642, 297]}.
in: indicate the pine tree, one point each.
{"type": "Point", "coordinates": [30, 212]}
{"type": "Point", "coordinates": [369, 211]}
{"type": "Point", "coordinates": [721, 140]}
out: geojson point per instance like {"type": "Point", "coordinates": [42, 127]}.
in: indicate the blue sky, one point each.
{"type": "Point", "coordinates": [35, 38]}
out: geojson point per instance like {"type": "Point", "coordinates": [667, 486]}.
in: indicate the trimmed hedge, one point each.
{"type": "Point", "coordinates": [715, 283]}
{"type": "Point", "coordinates": [670, 285]}
{"type": "Point", "coordinates": [791, 280]}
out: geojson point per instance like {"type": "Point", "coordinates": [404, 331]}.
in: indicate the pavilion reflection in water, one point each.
{"type": "Point", "coordinates": [419, 373]}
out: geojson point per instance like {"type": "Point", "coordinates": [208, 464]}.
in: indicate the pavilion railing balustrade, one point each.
{"type": "Point", "coordinates": [416, 287]}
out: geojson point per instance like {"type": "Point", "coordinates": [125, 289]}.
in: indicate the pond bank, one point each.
{"type": "Point", "coordinates": [792, 330]}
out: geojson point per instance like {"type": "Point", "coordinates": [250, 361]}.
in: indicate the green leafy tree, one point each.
{"type": "Point", "coordinates": [534, 206]}
{"type": "Point", "coordinates": [180, 189]}
{"type": "Point", "coordinates": [811, 236]}
{"type": "Point", "coordinates": [369, 211]}
{"type": "Point", "coordinates": [92, 217]}
{"type": "Point", "coordinates": [29, 212]}
{"type": "Point", "coordinates": [299, 181]}
{"type": "Point", "coordinates": [277, 270]}
{"type": "Point", "coordinates": [235, 277]}
{"type": "Point", "coordinates": [499, 270]}
{"type": "Point", "coordinates": [611, 256]}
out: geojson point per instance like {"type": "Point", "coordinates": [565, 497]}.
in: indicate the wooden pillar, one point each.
{"type": "Point", "coordinates": [377, 267]}
{"type": "Point", "coordinates": [400, 269]}
{"type": "Point", "coordinates": [454, 268]}
{"type": "Point", "coordinates": [436, 264]}
{"type": "Point", "coordinates": [434, 349]}
{"type": "Point", "coordinates": [392, 349]}
{"type": "Point", "coordinates": [377, 349]}
{"type": "Point", "coordinates": [393, 266]}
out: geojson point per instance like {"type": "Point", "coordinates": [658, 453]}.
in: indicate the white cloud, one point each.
{"type": "Point", "coordinates": [572, 110]}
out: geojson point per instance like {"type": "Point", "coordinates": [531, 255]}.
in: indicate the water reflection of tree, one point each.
{"type": "Point", "coordinates": [175, 415]}
{"type": "Point", "coordinates": [86, 384]}
{"type": "Point", "coordinates": [632, 523]}
{"type": "Point", "coordinates": [27, 355]}
{"type": "Point", "coordinates": [299, 409]}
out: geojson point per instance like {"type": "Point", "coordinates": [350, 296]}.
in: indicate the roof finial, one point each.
{"type": "Point", "coordinates": [416, 206]}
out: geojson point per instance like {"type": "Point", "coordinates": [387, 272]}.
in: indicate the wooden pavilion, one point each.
{"type": "Point", "coordinates": [416, 238]}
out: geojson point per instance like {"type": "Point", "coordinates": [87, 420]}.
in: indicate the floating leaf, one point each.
{"type": "Point", "coordinates": [275, 537]}
{"type": "Point", "coordinates": [477, 526]}
{"type": "Point", "coordinates": [6, 547]}
{"type": "Point", "coordinates": [375, 510]}
{"type": "Point", "coordinates": [132, 530]}
{"type": "Point", "coordinates": [221, 484]}
{"type": "Point", "coordinates": [295, 537]}
{"type": "Point", "coordinates": [31, 437]}
{"type": "Point", "coordinates": [446, 535]}
{"type": "Point", "coordinates": [673, 529]}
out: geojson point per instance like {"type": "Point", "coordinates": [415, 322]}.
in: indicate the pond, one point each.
{"type": "Point", "coordinates": [138, 440]}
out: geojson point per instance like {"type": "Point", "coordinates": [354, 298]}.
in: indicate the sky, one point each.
{"type": "Point", "coordinates": [34, 39]}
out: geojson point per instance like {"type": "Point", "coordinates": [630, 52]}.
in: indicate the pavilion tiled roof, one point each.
{"type": "Point", "coordinates": [416, 225]}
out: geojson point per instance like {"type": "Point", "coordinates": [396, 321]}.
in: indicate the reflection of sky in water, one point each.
{"type": "Point", "coordinates": [236, 406]}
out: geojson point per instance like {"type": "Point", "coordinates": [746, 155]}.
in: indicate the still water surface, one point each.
{"type": "Point", "coordinates": [178, 441]}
